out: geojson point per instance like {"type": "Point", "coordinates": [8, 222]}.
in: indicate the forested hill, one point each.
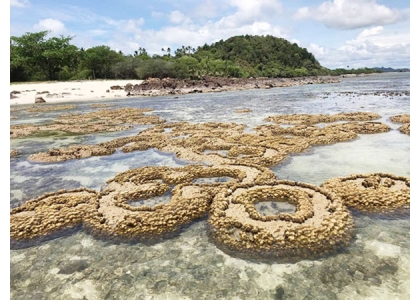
{"type": "Point", "coordinates": [266, 56]}
{"type": "Point", "coordinates": [35, 57]}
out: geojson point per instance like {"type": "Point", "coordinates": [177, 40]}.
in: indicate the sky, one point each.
{"type": "Point", "coordinates": [340, 33]}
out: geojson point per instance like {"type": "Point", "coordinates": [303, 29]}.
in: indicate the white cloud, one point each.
{"type": "Point", "coordinates": [251, 11]}
{"type": "Point", "coordinates": [157, 14]}
{"type": "Point", "coordinates": [177, 17]}
{"type": "Point", "coordinates": [351, 14]}
{"type": "Point", "coordinates": [316, 50]}
{"type": "Point", "coordinates": [97, 32]}
{"type": "Point", "coordinates": [55, 26]}
{"type": "Point", "coordinates": [18, 3]}
{"type": "Point", "coordinates": [132, 25]}
{"type": "Point", "coordinates": [370, 32]}
{"type": "Point", "coordinates": [380, 37]}
{"type": "Point", "coordinates": [373, 47]}
{"type": "Point", "coordinates": [249, 17]}
{"type": "Point", "coordinates": [209, 9]}
{"type": "Point", "coordinates": [188, 34]}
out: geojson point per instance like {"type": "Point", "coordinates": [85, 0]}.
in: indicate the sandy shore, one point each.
{"type": "Point", "coordinates": [53, 92]}
{"type": "Point", "coordinates": [26, 93]}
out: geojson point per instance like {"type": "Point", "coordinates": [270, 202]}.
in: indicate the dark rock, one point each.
{"type": "Point", "coordinates": [279, 293]}
{"type": "Point", "coordinates": [39, 99]}
{"type": "Point", "coordinates": [167, 86]}
{"type": "Point", "coordinates": [128, 87]}
{"type": "Point", "coordinates": [160, 285]}
{"type": "Point", "coordinates": [69, 267]}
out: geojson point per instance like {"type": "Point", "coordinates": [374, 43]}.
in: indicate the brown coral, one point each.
{"type": "Point", "coordinates": [320, 224]}
{"type": "Point", "coordinates": [375, 192]}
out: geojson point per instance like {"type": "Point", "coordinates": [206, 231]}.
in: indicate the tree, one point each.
{"type": "Point", "coordinates": [126, 68]}
{"type": "Point", "coordinates": [25, 53]}
{"type": "Point", "coordinates": [34, 57]}
{"type": "Point", "coordinates": [187, 66]}
{"type": "Point", "coordinates": [100, 60]}
{"type": "Point", "coordinates": [59, 54]}
{"type": "Point", "coordinates": [157, 68]}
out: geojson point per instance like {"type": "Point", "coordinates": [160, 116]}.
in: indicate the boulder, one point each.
{"type": "Point", "coordinates": [39, 99]}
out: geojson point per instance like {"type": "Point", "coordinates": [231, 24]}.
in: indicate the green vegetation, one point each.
{"type": "Point", "coordinates": [34, 57]}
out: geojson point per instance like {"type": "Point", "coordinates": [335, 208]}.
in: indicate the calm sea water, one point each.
{"type": "Point", "coordinates": [376, 265]}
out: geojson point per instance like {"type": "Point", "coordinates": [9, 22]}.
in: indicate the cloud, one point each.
{"type": "Point", "coordinates": [132, 25]}
{"type": "Point", "coordinates": [177, 17]}
{"type": "Point", "coordinates": [374, 47]}
{"type": "Point", "coordinates": [209, 9]}
{"type": "Point", "coordinates": [18, 3]}
{"type": "Point", "coordinates": [370, 32]}
{"type": "Point", "coordinates": [351, 14]}
{"type": "Point", "coordinates": [55, 26]}
{"type": "Point", "coordinates": [249, 17]}
{"type": "Point", "coordinates": [251, 11]}
{"type": "Point", "coordinates": [316, 50]}
{"type": "Point", "coordinates": [187, 34]}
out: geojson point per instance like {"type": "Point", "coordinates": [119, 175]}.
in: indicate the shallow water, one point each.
{"type": "Point", "coordinates": [376, 264]}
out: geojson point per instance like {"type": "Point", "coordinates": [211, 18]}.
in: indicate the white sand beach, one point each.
{"type": "Point", "coordinates": [53, 92]}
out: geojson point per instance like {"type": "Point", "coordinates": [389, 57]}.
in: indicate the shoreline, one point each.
{"type": "Point", "coordinates": [66, 91]}
{"type": "Point", "coordinates": [91, 90]}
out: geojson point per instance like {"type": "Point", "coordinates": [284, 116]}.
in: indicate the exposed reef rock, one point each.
{"type": "Point", "coordinates": [156, 201]}
{"type": "Point", "coordinates": [51, 108]}
{"type": "Point", "coordinates": [51, 212]}
{"type": "Point", "coordinates": [376, 192]}
{"type": "Point", "coordinates": [310, 119]}
{"type": "Point", "coordinates": [82, 151]}
{"type": "Point", "coordinates": [113, 211]}
{"type": "Point", "coordinates": [242, 111]}
{"type": "Point", "coordinates": [96, 121]}
{"type": "Point", "coordinates": [226, 143]}
{"type": "Point", "coordinates": [117, 218]}
{"type": "Point", "coordinates": [402, 119]}
{"type": "Point", "coordinates": [320, 224]}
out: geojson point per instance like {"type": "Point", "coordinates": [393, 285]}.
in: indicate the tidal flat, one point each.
{"type": "Point", "coordinates": [188, 264]}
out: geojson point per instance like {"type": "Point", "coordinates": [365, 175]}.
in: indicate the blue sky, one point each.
{"type": "Point", "coordinates": [340, 33]}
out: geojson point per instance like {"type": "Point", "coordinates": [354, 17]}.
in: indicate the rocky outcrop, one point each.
{"type": "Point", "coordinates": [170, 86]}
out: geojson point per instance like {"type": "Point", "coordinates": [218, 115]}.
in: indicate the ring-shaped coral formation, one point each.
{"type": "Point", "coordinates": [116, 217]}
{"type": "Point", "coordinates": [374, 192]}
{"type": "Point", "coordinates": [321, 223]}
{"type": "Point", "coordinates": [50, 213]}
